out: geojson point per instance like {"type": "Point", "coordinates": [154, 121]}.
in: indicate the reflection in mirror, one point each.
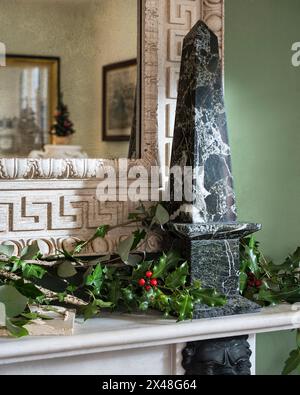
{"type": "Point", "coordinates": [86, 50]}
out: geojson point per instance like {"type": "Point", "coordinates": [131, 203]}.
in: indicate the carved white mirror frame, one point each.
{"type": "Point", "coordinates": [54, 199]}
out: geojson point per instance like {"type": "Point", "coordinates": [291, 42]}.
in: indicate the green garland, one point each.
{"type": "Point", "coordinates": [270, 284]}
{"type": "Point", "coordinates": [127, 282]}
{"type": "Point", "coordinates": [131, 281]}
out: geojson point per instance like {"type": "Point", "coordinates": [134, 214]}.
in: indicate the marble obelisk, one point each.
{"type": "Point", "coordinates": [207, 226]}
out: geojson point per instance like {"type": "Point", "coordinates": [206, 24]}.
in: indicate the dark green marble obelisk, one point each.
{"type": "Point", "coordinates": [207, 227]}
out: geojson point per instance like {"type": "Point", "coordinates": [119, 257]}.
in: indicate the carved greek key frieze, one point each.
{"type": "Point", "coordinates": [178, 18]}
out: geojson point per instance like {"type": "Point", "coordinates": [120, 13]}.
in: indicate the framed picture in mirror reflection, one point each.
{"type": "Point", "coordinates": [119, 99]}
{"type": "Point", "coordinates": [29, 90]}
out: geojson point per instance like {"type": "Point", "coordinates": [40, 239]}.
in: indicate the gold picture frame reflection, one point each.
{"type": "Point", "coordinates": [29, 92]}
{"type": "Point", "coordinates": [119, 96]}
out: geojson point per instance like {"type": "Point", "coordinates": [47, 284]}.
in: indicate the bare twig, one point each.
{"type": "Point", "coordinates": [50, 295]}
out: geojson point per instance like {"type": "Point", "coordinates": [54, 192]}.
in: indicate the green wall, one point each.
{"type": "Point", "coordinates": [263, 104]}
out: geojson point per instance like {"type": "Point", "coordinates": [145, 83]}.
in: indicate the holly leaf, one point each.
{"type": "Point", "coordinates": [184, 307]}
{"type": "Point", "coordinates": [7, 250]}
{"type": "Point", "coordinates": [66, 270]}
{"type": "Point", "coordinates": [140, 270]}
{"type": "Point", "coordinates": [16, 331]}
{"type": "Point", "coordinates": [144, 305]}
{"type": "Point", "coordinates": [165, 263]}
{"type": "Point", "coordinates": [243, 282]}
{"type": "Point", "coordinates": [114, 293]}
{"type": "Point", "coordinates": [209, 297]}
{"type": "Point", "coordinates": [127, 294]}
{"type": "Point", "coordinates": [265, 295]}
{"type": "Point", "coordinates": [178, 278]}
{"type": "Point", "coordinates": [2, 314]}
{"type": "Point", "coordinates": [15, 303]}
{"type": "Point", "coordinates": [292, 363]}
{"type": "Point", "coordinates": [95, 279]}
{"type": "Point", "coordinates": [125, 247]}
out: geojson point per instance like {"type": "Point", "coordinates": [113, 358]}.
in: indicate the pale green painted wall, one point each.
{"type": "Point", "coordinates": [263, 103]}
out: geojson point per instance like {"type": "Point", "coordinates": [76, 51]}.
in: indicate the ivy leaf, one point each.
{"type": "Point", "coordinates": [127, 294]}
{"type": "Point", "coordinates": [209, 297]}
{"type": "Point", "coordinates": [61, 296]}
{"type": "Point", "coordinates": [32, 271]}
{"type": "Point", "coordinates": [2, 314]}
{"type": "Point", "coordinates": [184, 307]}
{"type": "Point", "coordinates": [79, 247]}
{"type": "Point", "coordinates": [162, 216]}
{"type": "Point", "coordinates": [292, 363]}
{"type": "Point", "coordinates": [30, 252]}
{"type": "Point", "coordinates": [7, 250]}
{"type": "Point", "coordinates": [125, 247]}
{"type": "Point", "coordinates": [103, 305]}
{"type": "Point", "coordinates": [15, 303]}
{"type": "Point", "coordinates": [15, 330]}
{"type": "Point", "coordinates": [95, 279]}
{"type": "Point", "coordinates": [66, 270]}
{"type": "Point", "coordinates": [144, 305]}
{"type": "Point", "coordinates": [177, 278]}
{"type": "Point", "coordinates": [90, 311]}
{"type": "Point", "coordinates": [165, 263]}
{"type": "Point", "coordinates": [102, 231]}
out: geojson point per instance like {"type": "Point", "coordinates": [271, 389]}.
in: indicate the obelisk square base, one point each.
{"type": "Point", "coordinates": [213, 251]}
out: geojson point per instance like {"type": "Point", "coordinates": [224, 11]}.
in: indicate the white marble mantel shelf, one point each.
{"type": "Point", "coordinates": [118, 333]}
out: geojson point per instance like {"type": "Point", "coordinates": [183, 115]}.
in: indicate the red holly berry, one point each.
{"type": "Point", "coordinates": [153, 282]}
{"type": "Point", "coordinates": [148, 288]}
{"type": "Point", "coordinates": [258, 283]}
{"type": "Point", "coordinates": [251, 284]}
{"type": "Point", "coordinates": [142, 282]}
{"type": "Point", "coordinates": [149, 274]}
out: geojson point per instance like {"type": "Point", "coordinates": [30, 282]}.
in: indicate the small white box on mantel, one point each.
{"type": "Point", "coordinates": [60, 322]}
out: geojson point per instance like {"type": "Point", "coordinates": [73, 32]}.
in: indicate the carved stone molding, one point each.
{"type": "Point", "coordinates": [62, 215]}
{"type": "Point", "coordinates": [55, 199]}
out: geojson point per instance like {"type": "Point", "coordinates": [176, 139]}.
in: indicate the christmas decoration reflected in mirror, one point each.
{"type": "Point", "coordinates": [62, 129]}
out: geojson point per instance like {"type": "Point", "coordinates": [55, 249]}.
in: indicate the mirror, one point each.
{"type": "Point", "coordinates": [70, 86]}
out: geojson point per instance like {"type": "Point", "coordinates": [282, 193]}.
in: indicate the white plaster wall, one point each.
{"type": "Point", "coordinates": [86, 34]}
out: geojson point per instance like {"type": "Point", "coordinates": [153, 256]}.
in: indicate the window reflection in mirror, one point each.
{"type": "Point", "coordinates": [86, 50]}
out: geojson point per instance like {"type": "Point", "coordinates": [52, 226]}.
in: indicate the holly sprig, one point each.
{"type": "Point", "coordinates": [270, 284]}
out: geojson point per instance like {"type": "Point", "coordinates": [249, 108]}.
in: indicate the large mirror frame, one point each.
{"type": "Point", "coordinates": [54, 199]}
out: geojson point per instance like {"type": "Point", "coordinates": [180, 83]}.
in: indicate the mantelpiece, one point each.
{"type": "Point", "coordinates": [55, 199]}
{"type": "Point", "coordinates": [127, 344]}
